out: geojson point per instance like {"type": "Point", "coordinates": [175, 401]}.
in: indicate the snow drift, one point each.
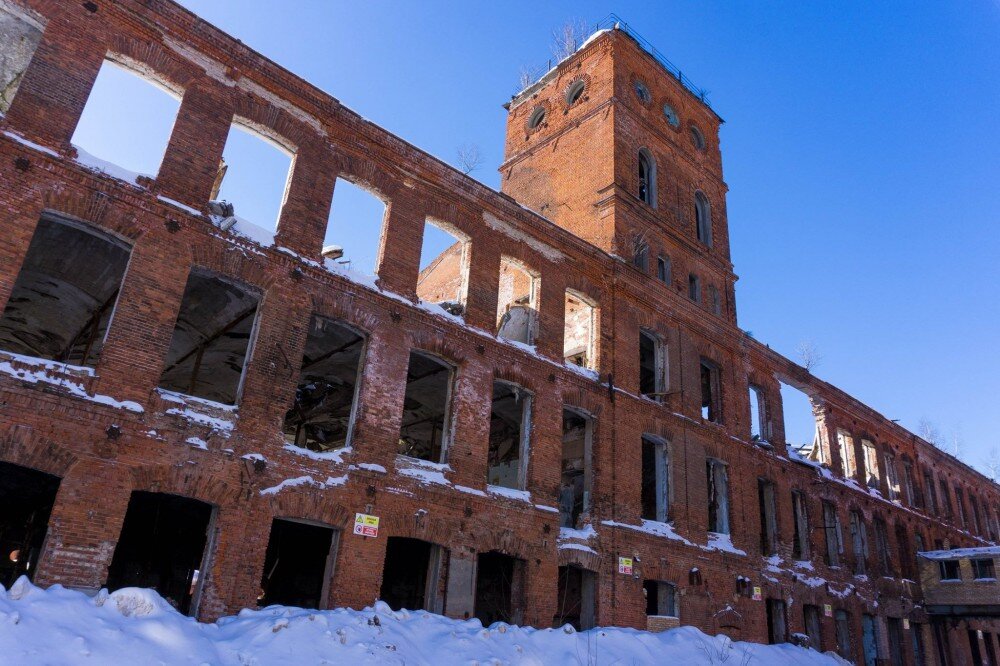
{"type": "Point", "coordinates": [132, 625]}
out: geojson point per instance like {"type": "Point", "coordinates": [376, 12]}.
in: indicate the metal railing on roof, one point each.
{"type": "Point", "coordinates": [614, 22]}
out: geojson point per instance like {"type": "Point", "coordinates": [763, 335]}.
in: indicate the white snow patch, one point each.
{"type": "Point", "coordinates": [509, 493]}
{"type": "Point", "coordinates": [957, 553]}
{"type": "Point", "coordinates": [178, 204]}
{"type": "Point", "coordinates": [38, 371]}
{"type": "Point", "coordinates": [95, 163]}
{"type": "Point", "coordinates": [31, 144]}
{"type": "Point", "coordinates": [197, 442]}
{"type": "Point", "coordinates": [723, 542]}
{"type": "Point", "coordinates": [334, 456]}
{"type": "Point", "coordinates": [330, 482]}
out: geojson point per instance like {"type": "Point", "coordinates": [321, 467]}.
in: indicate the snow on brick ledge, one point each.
{"type": "Point", "coordinates": [137, 626]}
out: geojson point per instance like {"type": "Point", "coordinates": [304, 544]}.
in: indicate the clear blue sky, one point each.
{"type": "Point", "coordinates": [861, 148]}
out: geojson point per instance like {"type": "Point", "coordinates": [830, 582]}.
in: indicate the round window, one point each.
{"type": "Point", "coordinates": [575, 92]}
{"type": "Point", "coordinates": [537, 118]}
{"type": "Point", "coordinates": [670, 113]}
{"type": "Point", "coordinates": [642, 92]}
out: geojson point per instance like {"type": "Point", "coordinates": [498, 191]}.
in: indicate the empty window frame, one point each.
{"type": "Point", "coordinates": [949, 570]}
{"type": "Point", "coordinates": [930, 493]}
{"type": "Point", "coordinates": [974, 513]}
{"type": "Point", "coordinates": [767, 508]}
{"type": "Point", "coordinates": [577, 598]}
{"type": "Point", "coordinates": [871, 463]}
{"type": "Point", "coordinates": [580, 330]}
{"type": "Point", "coordinates": [833, 533]}
{"type": "Point", "coordinates": [652, 365]}
{"type": "Point", "coordinates": [444, 267]}
{"type": "Point", "coordinates": [414, 575]}
{"type": "Point", "coordinates": [800, 520]}
{"type": "Point", "coordinates": [21, 36]}
{"type": "Point", "coordinates": [891, 476]}
{"type": "Point", "coordinates": [517, 302]}
{"type": "Point", "coordinates": [126, 122]}
{"type": "Point", "coordinates": [813, 627]}
{"type": "Point", "coordinates": [663, 269]}
{"type": "Point", "coordinates": [510, 427]}
{"type": "Point", "coordinates": [909, 492]}
{"type": "Point", "coordinates": [211, 338]}
{"type": "Point", "coordinates": [499, 593]}
{"type": "Point", "coordinates": [905, 560]}
{"type": "Point", "coordinates": [960, 506]}
{"type": "Point", "coordinates": [715, 299]}
{"type": "Point", "coordinates": [945, 497]}
{"type": "Point", "coordinates": [694, 288]}
{"type": "Point", "coordinates": [760, 423]}
{"type": "Point", "coordinates": [577, 473]}
{"type": "Point", "coordinates": [164, 545]}
{"type": "Point", "coordinates": [703, 218]}
{"type": "Point", "coordinates": [983, 569]}
{"type": "Point", "coordinates": [355, 228]}
{"type": "Point", "coordinates": [882, 547]}
{"type": "Point", "coordinates": [842, 626]}
{"type": "Point", "coordinates": [647, 178]}
{"type": "Point", "coordinates": [253, 177]}
{"type": "Point", "coordinates": [655, 494]}
{"type": "Point", "coordinates": [718, 496]}
{"type": "Point", "coordinates": [322, 417]}
{"type": "Point", "coordinates": [27, 497]}
{"type": "Point", "coordinates": [426, 408]}
{"type": "Point", "coordinates": [801, 429]}
{"type": "Point", "coordinates": [298, 564]}
{"type": "Point", "coordinates": [859, 542]}
{"type": "Point", "coordinates": [845, 443]}
{"type": "Point", "coordinates": [711, 391]}
{"type": "Point", "coordinates": [661, 598]}
{"type": "Point", "coordinates": [640, 255]}
{"type": "Point", "coordinates": [61, 304]}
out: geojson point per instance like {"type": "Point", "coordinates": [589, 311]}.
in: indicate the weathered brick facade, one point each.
{"type": "Point", "coordinates": [109, 431]}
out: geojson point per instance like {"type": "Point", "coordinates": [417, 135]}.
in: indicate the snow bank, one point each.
{"type": "Point", "coordinates": [60, 626]}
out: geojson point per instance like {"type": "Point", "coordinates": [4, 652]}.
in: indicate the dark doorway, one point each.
{"type": "Point", "coordinates": [895, 629]}
{"type": "Point", "coordinates": [499, 588]}
{"type": "Point", "coordinates": [162, 545]}
{"type": "Point", "coordinates": [297, 565]}
{"type": "Point", "coordinates": [412, 576]}
{"type": "Point", "coordinates": [576, 598]}
{"type": "Point", "coordinates": [26, 498]}
{"type": "Point", "coordinates": [777, 627]}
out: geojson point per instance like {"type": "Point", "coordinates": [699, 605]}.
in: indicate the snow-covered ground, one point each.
{"type": "Point", "coordinates": [136, 626]}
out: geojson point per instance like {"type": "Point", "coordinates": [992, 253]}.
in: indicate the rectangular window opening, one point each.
{"type": "Point", "coordinates": [718, 496]}
{"type": "Point", "coordinates": [845, 443]}
{"type": "Point", "coordinates": [580, 331]}
{"type": "Point", "coordinates": [126, 123]}
{"type": "Point", "coordinates": [655, 494]}
{"type": "Point", "coordinates": [61, 305]}
{"type": "Point", "coordinates": [948, 569]}
{"type": "Point", "coordinates": [760, 424]}
{"type": "Point", "coordinates": [297, 565]}
{"type": "Point", "coordinates": [211, 339]}
{"type": "Point", "coordinates": [891, 476]}
{"type": "Point", "coordinates": [652, 366]}
{"type": "Point", "coordinates": [426, 408]}
{"type": "Point", "coordinates": [663, 269]}
{"type": "Point", "coordinates": [983, 570]}
{"type": "Point", "coordinates": [322, 416]}
{"type": "Point", "coordinates": [21, 37]}
{"type": "Point", "coordinates": [834, 537]}
{"type": "Point", "coordinates": [871, 463]}
{"type": "Point", "coordinates": [800, 518]}
{"type": "Point", "coordinates": [510, 426]}
{"type": "Point", "coordinates": [444, 267]}
{"type": "Point", "coordinates": [711, 392]}
{"type": "Point", "coordinates": [694, 288]}
{"type": "Point", "coordinates": [859, 543]}
{"type": "Point", "coordinates": [355, 228]}
{"type": "Point", "coordinates": [577, 474]}
{"type": "Point", "coordinates": [517, 302]}
{"type": "Point", "coordinates": [768, 510]}
{"type": "Point", "coordinates": [715, 297]}
{"type": "Point", "coordinates": [661, 598]}
{"type": "Point", "coordinates": [801, 429]}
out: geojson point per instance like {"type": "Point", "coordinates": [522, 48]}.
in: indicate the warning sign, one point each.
{"type": "Point", "coordinates": [366, 525]}
{"type": "Point", "coordinates": [827, 610]}
{"type": "Point", "coordinates": [758, 594]}
{"type": "Point", "coordinates": [906, 623]}
{"type": "Point", "coordinates": [625, 565]}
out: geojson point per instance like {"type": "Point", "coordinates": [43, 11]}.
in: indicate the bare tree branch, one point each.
{"type": "Point", "coordinates": [469, 157]}
{"type": "Point", "coordinates": [567, 38]}
{"type": "Point", "coordinates": [929, 432]}
{"type": "Point", "coordinates": [809, 354]}
{"type": "Point", "coordinates": [992, 464]}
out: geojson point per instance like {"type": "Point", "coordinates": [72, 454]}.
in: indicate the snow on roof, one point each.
{"type": "Point", "coordinates": [959, 553]}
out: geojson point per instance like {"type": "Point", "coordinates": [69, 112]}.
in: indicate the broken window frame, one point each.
{"type": "Point", "coordinates": [646, 178]}
{"type": "Point", "coordinates": [845, 442]}
{"type": "Point", "coordinates": [92, 333]}
{"type": "Point", "coordinates": [758, 395]}
{"type": "Point", "coordinates": [694, 288]}
{"type": "Point", "coordinates": [587, 357]}
{"type": "Point", "coordinates": [352, 417]}
{"type": "Point", "coordinates": [589, 425]}
{"type": "Point", "coordinates": [530, 307]}
{"type": "Point", "coordinates": [983, 569]}
{"type": "Point", "coordinates": [446, 422]}
{"type": "Point", "coordinates": [949, 570]}
{"type": "Point", "coordinates": [891, 476]}
{"type": "Point", "coordinates": [665, 598]}
{"type": "Point", "coordinates": [800, 520]}
{"type": "Point", "coordinates": [718, 496]}
{"type": "Point", "coordinates": [663, 268]}
{"type": "Point", "coordinates": [711, 391]}
{"type": "Point", "coordinates": [703, 218]}
{"type": "Point", "coordinates": [833, 532]}
{"type": "Point", "coordinates": [767, 508]}
{"type": "Point", "coordinates": [659, 476]}
{"type": "Point", "coordinates": [526, 399]}
{"type": "Point", "coordinates": [872, 476]}
{"type": "Point", "coordinates": [659, 370]}
{"type": "Point", "coordinates": [459, 305]}
{"type": "Point", "coordinates": [930, 492]}
{"type": "Point", "coordinates": [908, 489]}
{"type": "Point", "coordinates": [859, 542]}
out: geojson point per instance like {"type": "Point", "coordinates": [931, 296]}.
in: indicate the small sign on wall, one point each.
{"type": "Point", "coordinates": [758, 594]}
{"type": "Point", "coordinates": [906, 623]}
{"type": "Point", "coordinates": [625, 565]}
{"type": "Point", "coordinates": [827, 610]}
{"type": "Point", "coordinates": [366, 525]}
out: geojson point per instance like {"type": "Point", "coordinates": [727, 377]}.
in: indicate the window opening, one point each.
{"type": "Point", "coordinates": [577, 475]}
{"type": "Point", "coordinates": [647, 178]}
{"type": "Point", "coordinates": [355, 228]}
{"type": "Point", "coordinates": [768, 511]}
{"type": "Point", "coordinates": [575, 92]}
{"type": "Point", "coordinates": [517, 302]}
{"type": "Point", "coordinates": [577, 588]}
{"type": "Point", "coordinates": [834, 538]}
{"type": "Point", "coordinates": [652, 366]}
{"type": "Point", "coordinates": [211, 338]}
{"type": "Point", "coordinates": [711, 396]}
{"type": "Point", "coordinates": [655, 493]}
{"type": "Point", "coordinates": [426, 403]}
{"type": "Point", "coordinates": [579, 335]}
{"type": "Point", "coordinates": [297, 565]}
{"type": "Point", "coordinates": [760, 425]}
{"type": "Point", "coordinates": [510, 426]}
{"type": "Point", "coordinates": [718, 497]}
{"type": "Point", "coordinates": [800, 518]}
{"type": "Point", "coordinates": [777, 628]}
{"type": "Point", "coordinates": [694, 288]}
{"type": "Point", "coordinates": [413, 576]}
{"type": "Point", "coordinates": [859, 543]}
{"type": "Point", "coordinates": [61, 305]}
{"type": "Point", "coordinates": [663, 269]}
{"type": "Point", "coordinates": [253, 179]}
{"type": "Point", "coordinates": [444, 267]}
{"type": "Point", "coordinates": [661, 598]}
{"type": "Point", "coordinates": [703, 218]}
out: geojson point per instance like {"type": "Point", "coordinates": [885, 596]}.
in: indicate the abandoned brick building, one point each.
{"type": "Point", "coordinates": [555, 421]}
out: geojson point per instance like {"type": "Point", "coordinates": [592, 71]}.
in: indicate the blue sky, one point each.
{"type": "Point", "coordinates": [861, 148]}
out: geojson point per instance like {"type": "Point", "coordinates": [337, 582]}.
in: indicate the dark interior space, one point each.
{"type": "Point", "coordinates": [26, 499]}
{"type": "Point", "coordinates": [211, 338]}
{"type": "Point", "coordinates": [499, 588]}
{"type": "Point", "coordinates": [575, 605]}
{"type": "Point", "coordinates": [647, 364]}
{"type": "Point", "coordinates": [425, 407]}
{"type": "Point", "coordinates": [508, 413]}
{"type": "Point", "coordinates": [162, 545]}
{"type": "Point", "coordinates": [320, 419]}
{"type": "Point", "coordinates": [296, 565]}
{"type": "Point", "coordinates": [61, 303]}
{"type": "Point", "coordinates": [574, 484]}
{"type": "Point", "coordinates": [404, 578]}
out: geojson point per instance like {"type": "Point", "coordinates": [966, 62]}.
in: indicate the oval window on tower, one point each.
{"type": "Point", "coordinates": [536, 119]}
{"type": "Point", "coordinates": [670, 113]}
{"type": "Point", "coordinates": [575, 92]}
{"type": "Point", "coordinates": [642, 92]}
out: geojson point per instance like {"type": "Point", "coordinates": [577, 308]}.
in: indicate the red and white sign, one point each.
{"type": "Point", "coordinates": [758, 594]}
{"type": "Point", "coordinates": [625, 565]}
{"type": "Point", "coordinates": [827, 610]}
{"type": "Point", "coordinates": [366, 525]}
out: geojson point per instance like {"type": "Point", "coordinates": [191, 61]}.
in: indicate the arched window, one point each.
{"type": "Point", "coordinates": [536, 119]}
{"type": "Point", "coordinates": [575, 92]}
{"type": "Point", "coordinates": [647, 178]}
{"type": "Point", "coordinates": [697, 138]}
{"type": "Point", "coordinates": [703, 218]}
